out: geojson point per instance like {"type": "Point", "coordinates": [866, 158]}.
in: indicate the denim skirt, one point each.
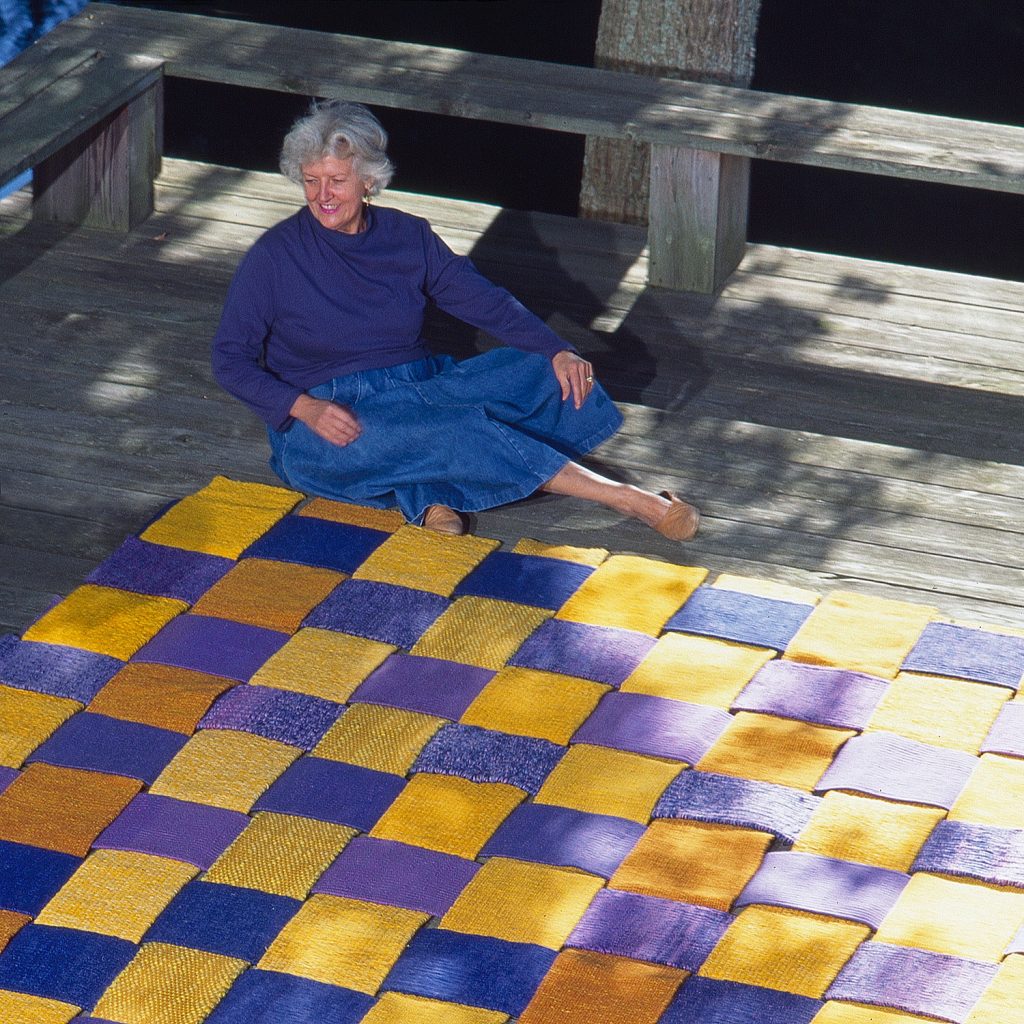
{"type": "Point", "coordinates": [469, 435]}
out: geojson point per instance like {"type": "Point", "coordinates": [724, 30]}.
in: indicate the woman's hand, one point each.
{"type": "Point", "coordinates": [334, 423]}
{"type": "Point", "coordinates": [575, 375]}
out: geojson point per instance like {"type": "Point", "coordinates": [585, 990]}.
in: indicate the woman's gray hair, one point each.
{"type": "Point", "coordinates": [342, 130]}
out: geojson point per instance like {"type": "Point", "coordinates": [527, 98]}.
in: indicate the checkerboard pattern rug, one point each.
{"type": "Point", "coordinates": [279, 761]}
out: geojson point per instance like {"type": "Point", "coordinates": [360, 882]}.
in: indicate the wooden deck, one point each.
{"type": "Point", "coordinates": [843, 424]}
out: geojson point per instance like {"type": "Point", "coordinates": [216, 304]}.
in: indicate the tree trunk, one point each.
{"type": "Point", "coordinates": [699, 40]}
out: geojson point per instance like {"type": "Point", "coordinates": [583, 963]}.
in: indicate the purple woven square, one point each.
{"type": "Point", "coordinates": [823, 885]}
{"type": "Point", "coordinates": [98, 743]}
{"type": "Point", "coordinates": [176, 829]}
{"type": "Point", "coordinates": [601, 653]}
{"type": "Point", "coordinates": [650, 928]}
{"type": "Point", "coordinates": [294, 718]}
{"type": "Point", "coordinates": [562, 837]}
{"type": "Point", "coordinates": [912, 980]}
{"type": "Point", "coordinates": [895, 768]}
{"type": "Point", "coordinates": [825, 696]}
{"type": "Point", "coordinates": [217, 646]}
{"type": "Point", "coordinates": [378, 611]}
{"type": "Point", "coordinates": [428, 685]}
{"type": "Point", "coordinates": [985, 852]}
{"type": "Point", "coordinates": [55, 669]}
{"type": "Point", "coordinates": [745, 618]}
{"type": "Point", "coordinates": [307, 540]}
{"type": "Point", "coordinates": [745, 803]}
{"type": "Point", "coordinates": [652, 725]}
{"type": "Point", "coordinates": [7, 776]}
{"type": "Point", "coordinates": [383, 871]}
{"type": "Point", "coordinates": [482, 755]}
{"type": "Point", "coordinates": [160, 571]}
{"type": "Point", "coordinates": [947, 650]}
{"type": "Point", "coordinates": [1007, 733]}
{"type": "Point", "coordinates": [345, 794]}
{"type": "Point", "coordinates": [709, 1001]}
{"type": "Point", "coordinates": [524, 579]}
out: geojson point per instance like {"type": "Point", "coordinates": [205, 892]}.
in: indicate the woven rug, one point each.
{"type": "Point", "coordinates": [280, 761]}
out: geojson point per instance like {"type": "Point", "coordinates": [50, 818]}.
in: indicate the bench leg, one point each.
{"type": "Point", "coordinates": [698, 217]}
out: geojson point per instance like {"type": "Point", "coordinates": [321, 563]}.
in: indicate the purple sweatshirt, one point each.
{"type": "Point", "coordinates": [308, 304]}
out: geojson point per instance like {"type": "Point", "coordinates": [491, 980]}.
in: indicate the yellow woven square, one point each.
{"type": "Point", "coordinates": [280, 853]}
{"type": "Point", "coordinates": [770, 749]}
{"type": "Point", "coordinates": [605, 781]}
{"type": "Point", "coordinates": [848, 826]}
{"type": "Point", "coordinates": [1001, 1002]}
{"type": "Point", "coordinates": [425, 560]}
{"type": "Point", "coordinates": [223, 518]}
{"type": "Point", "coordinates": [274, 595]}
{"type": "Point", "coordinates": [692, 862]}
{"type": "Point", "coordinates": [117, 893]}
{"type": "Point", "coordinates": [957, 917]}
{"type": "Point", "coordinates": [567, 553]}
{"type": "Point", "coordinates": [26, 719]}
{"type": "Point", "coordinates": [521, 902]}
{"type": "Point", "coordinates": [224, 768]}
{"type": "Point", "coordinates": [787, 950]}
{"type": "Point", "coordinates": [630, 592]}
{"type": "Point", "coordinates": [866, 634]}
{"type": "Point", "coordinates": [697, 669]}
{"type": "Point", "coordinates": [858, 1013]}
{"type": "Point", "coordinates": [531, 702]}
{"type": "Point", "coordinates": [994, 794]}
{"type": "Point", "coordinates": [167, 984]}
{"type": "Point", "coordinates": [447, 813]}
{"type": "Point", "coordinates": [480, 631]}
{"type": "Point", "coordinates": [942, 712]}
{"type": "Point", "coordinates": [322, 663]}
{"type": "Point", "coordinates": [343, 942]}
{"type": "Point", "coordinates": [765, 588]}
{"type": "Point", "coordinates": [105, 620]}
{"type": "Point", "coordinates": [385, 739]}
{"type": "Point", "coordinates": [17, 1008]}
{"type": "Point", "coordinates": [399, 1008]}
{"type": "Point", "coordinates": [385, 519]}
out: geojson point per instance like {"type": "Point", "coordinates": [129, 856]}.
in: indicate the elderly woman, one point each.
{"type": "Point", "coordinates": [321, 337]}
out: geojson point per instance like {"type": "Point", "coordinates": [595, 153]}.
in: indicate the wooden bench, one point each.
{"type": "Point", "coordinates": [702, 137]}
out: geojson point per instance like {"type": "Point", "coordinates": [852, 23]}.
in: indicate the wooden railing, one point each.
{"type": "Point", "coordinates": [702, 137]}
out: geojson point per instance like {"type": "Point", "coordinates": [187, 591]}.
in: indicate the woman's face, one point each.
{"type": "Point", "coordinates": [334, 193]}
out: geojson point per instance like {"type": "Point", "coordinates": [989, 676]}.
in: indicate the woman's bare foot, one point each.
{"type": "Point", "coordinates": [442, 519]}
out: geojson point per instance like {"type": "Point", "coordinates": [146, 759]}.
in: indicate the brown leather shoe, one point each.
{"type": "Point", "coordinates": [681, 521]}
{"type": "Point", "coordinates": [442, 519]}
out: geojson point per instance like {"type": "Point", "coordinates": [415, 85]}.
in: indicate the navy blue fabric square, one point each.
{"type": "Point", "coordinates": [223, 919]}
{"type": "Point", "coordinates": [89, 962]}
{"type": "Point", "coordinates": [707, 1001]}
{"type": "Point", "coordinates": [472, 969]}
{"type": "Point", "coordinates": [745, 618]}
{"type": "Point", "coordinates": [524, 579]}
{"type": "Point", "coordinates": [267, 997]}
{"type": "Point", "coordinates": [55, 669]}
{"type": "Point", "coordinates": [345, 794]}
{"type": "Point", "coordinates": [311, 541]}
{"type": "Point", "coordinates": [29, 876]}
{"type": "Point", "coordinates": [947, 650]}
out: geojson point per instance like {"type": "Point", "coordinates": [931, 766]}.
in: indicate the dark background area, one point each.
{"type": "Point", "coordinates": [962, 58]}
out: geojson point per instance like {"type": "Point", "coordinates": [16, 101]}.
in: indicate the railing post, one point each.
{"type": "Point", "coordinates": [698, 217]}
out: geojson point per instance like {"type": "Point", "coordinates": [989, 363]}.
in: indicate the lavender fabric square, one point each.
{"type": "Point", "coordinates": [563, 837]}
{"type": "Point", "coordinates": [345, 794]}
{"type": "Point", "coordinates": [1007, 733]}
{"type": "Point", "coordinates": [160, 570]}
{"type": "Point", "coordinates": [219, 647]}
{"type": "Point", "coordinates": [294, 718]}
{"type": "Point", "coordinates": [378, 611]}
{"type": "Point", "coordinates": [55, 669]}
{"type": "Point", "coordinates": [912, 980]}
{"type": "Point", "coordinates": [101, 744]}
{"type": "Point", "coordinates": [947, 650]}
{"type": "Point", "coordinates": [164, 827]}
{"type": "Point", "coordinates": [431, 686]}
{"type": "Point", "coordinates": [307, 540]}
{"type": "Point", "coordinates": [383, 871]}
{"type": "Point", "coordinates": [7, 776]}
{"type": "Point", "coordinates": [601, 653]}
{"type": "Point", "coordinates": [810, 693]}
{"type": "Point", "coordinates": [895, 768]}
{"type": "Point", "coordinates": [985, 852]}
{"type": "Point", "coordinates": [745, 618]}
{"type": "Point", "coordinates": [482, 755]}
{"type": "Point", "coordinates": [650, 928]}
{"type": "Point", "coordinates": [524, 579]}
{"type": "Point", "coordinates": [653, 725]}
{"type": "Point", "coordinates": [30, 876]}
{"type": "Point", "coordinates": [745, 803]}
{"type": "Point", "coordinates": [823, 885]}
{"type": "Point", "coordinates": [708, 1001]}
